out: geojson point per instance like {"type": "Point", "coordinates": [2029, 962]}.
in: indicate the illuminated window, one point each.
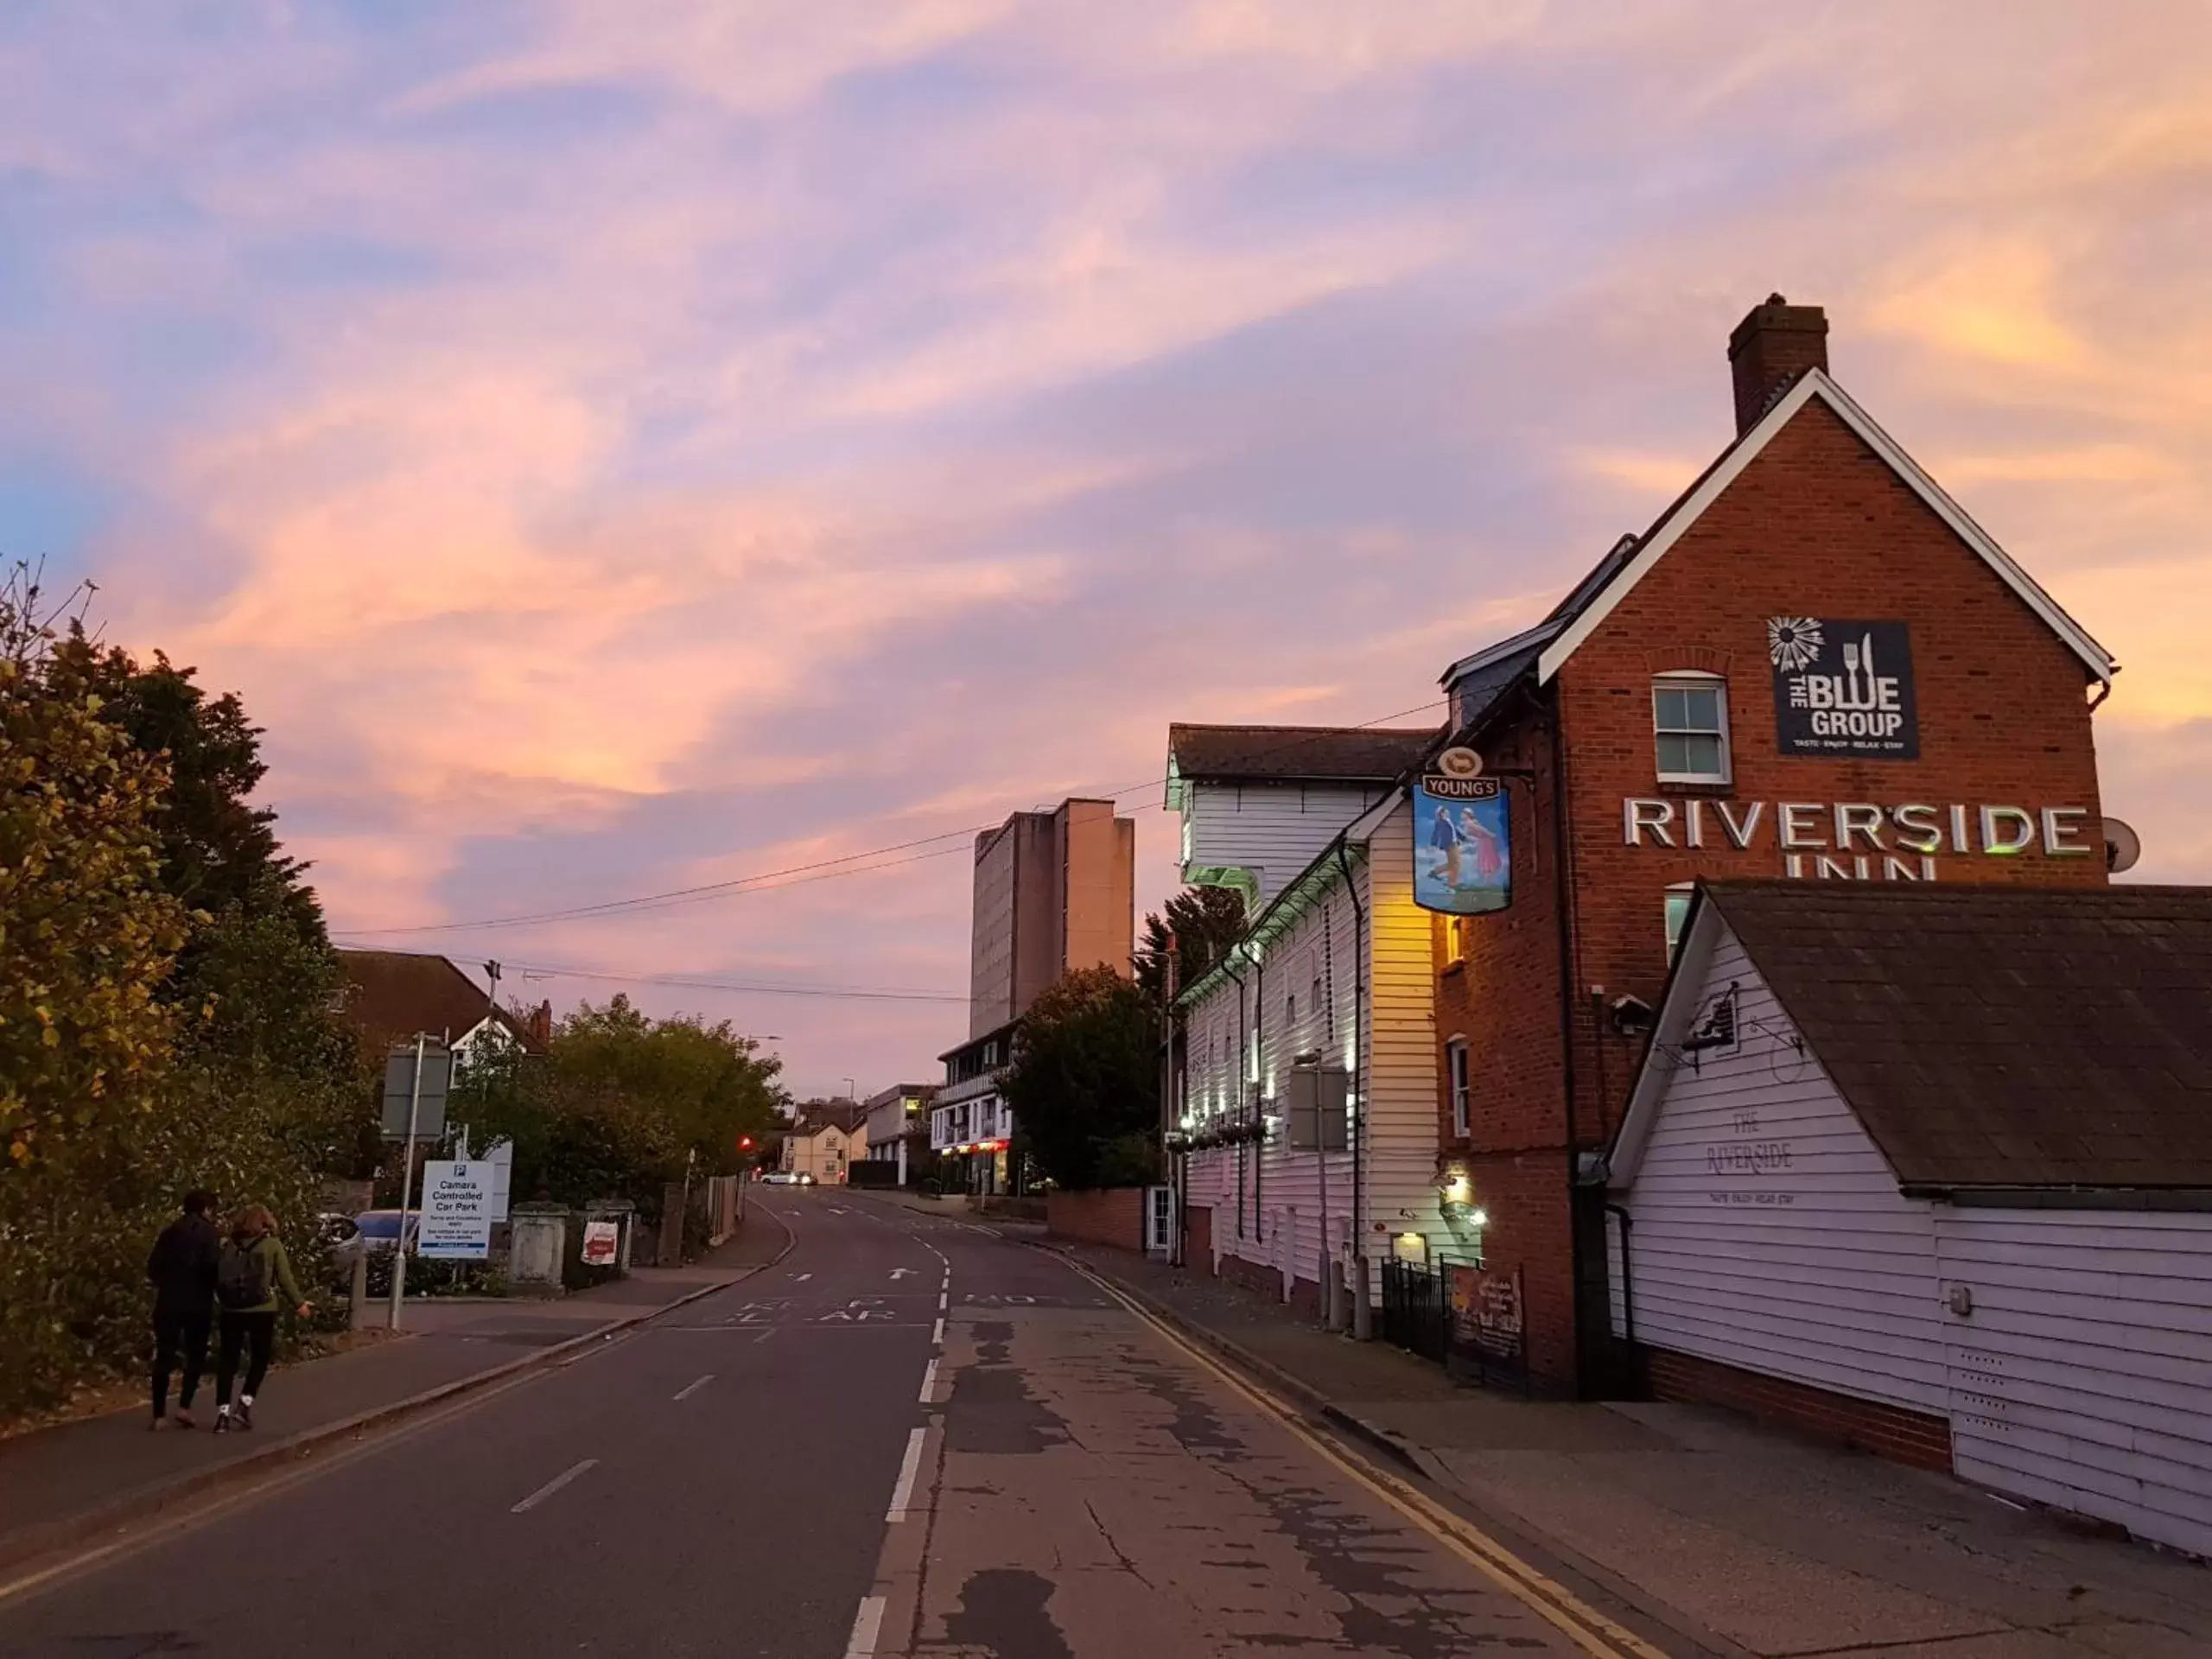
{"type": "Point", "coordinates": [1678, 913]}
{"type": "Point", "coordinates": [1689, 724]}
{"type": "Point", "coordinates": [1455, 941]}
{"type": "Point", "coordinates": [1455, 1065]}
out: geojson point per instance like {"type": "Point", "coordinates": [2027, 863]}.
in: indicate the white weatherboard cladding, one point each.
{"type": "Point", "coordinates": [1288, 1218]}
{"type": "Point", "coordinates": [1399, 1081]}
{"type": "Point", "coordinates": [2083, 1375]}
{"type": "Point", "coordinates": [1820, 1271]}
{"type": "Point", "coordinates": [1273, 831]}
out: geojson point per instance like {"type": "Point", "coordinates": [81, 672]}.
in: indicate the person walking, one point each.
{"type": "Point", "coordinates": [253, 1267]}
{"type": "Point", "coordinates": [182, 1269]}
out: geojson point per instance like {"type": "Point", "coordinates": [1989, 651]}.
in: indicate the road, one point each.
{"type": "Point", "coordinates": [909, 1436]}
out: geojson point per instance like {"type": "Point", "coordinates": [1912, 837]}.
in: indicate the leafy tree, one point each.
{"type": "Point", "coordinates": [256, 972]}
{"type": "Point", "coordinates": [1084, 1082]}
{"type": "Point", "coordinates": [621, 1103]}
{"type": "Point", "coordinates": [711, 1082]}
{"type": "Point", "coordinates": [1197, 927]}
{"type": "Point", "coordinates": [87, 936]}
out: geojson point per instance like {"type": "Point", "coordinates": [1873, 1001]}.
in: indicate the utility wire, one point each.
{"type": "Point", "coordinates": [708, 983]}
{"type": "Point", "coordinates": [822, 869]}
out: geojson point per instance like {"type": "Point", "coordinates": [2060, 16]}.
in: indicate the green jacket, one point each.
{"type": "Point", "coordinates": [276, 1271]}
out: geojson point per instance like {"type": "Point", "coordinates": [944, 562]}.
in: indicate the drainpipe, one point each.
{"type": "Point", "coordinates": [1243, 1099]}
{"type": "Point", "coordinates": [1259, 1064]}
{"type": "Point", "coordinates": [1628, 1278]}
{"type": "Point", "coordinates": [1564, 890]}
{"type": "Point", "coordinates": [2104, 690]}
{"type": "Point", "coordinates": [1362, 1307]}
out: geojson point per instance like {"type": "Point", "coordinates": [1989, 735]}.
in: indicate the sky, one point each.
{"type": "Point", "coordinates": [622, 448]}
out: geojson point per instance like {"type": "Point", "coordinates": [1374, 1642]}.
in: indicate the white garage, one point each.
{"type": "Point", "coordinates": [1931, 1168]}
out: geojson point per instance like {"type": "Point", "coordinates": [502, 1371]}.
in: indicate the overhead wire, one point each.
{"type": "Point", "coordinates": [821, 869]}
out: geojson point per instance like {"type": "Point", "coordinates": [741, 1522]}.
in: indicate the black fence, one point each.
{"type": "Point", "coordinates": [1467, 1321]}
{"type": "Point", "coordinates": [1416, 1312]}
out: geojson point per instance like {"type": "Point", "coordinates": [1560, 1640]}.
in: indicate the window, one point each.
{"type": "Point", "coordinates": [1689, 723]}
{"type": "Point", "coordinates": [1455, 1065]}
{"type": "Point", "coordinates": [1455, 941]}
{"type": "Point", "coordinates": [1678, 912]}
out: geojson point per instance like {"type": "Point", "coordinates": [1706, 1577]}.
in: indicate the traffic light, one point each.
{"type": "Point", "coordinates": [745, 1143]}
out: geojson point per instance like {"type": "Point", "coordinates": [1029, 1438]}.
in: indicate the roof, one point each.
{"type": "Point", "coordinates": [980, 1039]}
{"type": "Point", "coordinates": [1621, 570]}
{"type": "Point", "coordinates": [816, 1115]}
{"type": "Point", "coordinates": [1363, 754]}
{"type": "Point", "coordinates": [1995, 1037]}
{"type": "Point", "coordinates": [391, 994]}
{"type": "Point", "coordinates": [1551, 642]}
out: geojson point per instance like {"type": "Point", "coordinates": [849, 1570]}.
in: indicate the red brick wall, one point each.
{"type": "Point", "coordinates": [1113, 1215]}
{"type": "Point", "coordinates": [1817, 525]}
{"type": "Point", "coordinates": [1909, 1437]}
{"type": "Point", "coordinates": [1261, 1280]}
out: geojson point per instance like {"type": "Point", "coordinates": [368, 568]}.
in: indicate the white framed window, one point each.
{"type": "Point", "coordinates": [1455, 1070]}
{"type": "Point", "coordinates": [1678, 914]}
{"type": "Point", "coordinates": [1689, 727]}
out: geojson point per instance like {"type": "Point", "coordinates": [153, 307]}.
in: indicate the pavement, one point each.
{"type": "Point", "coordinates": [82, 1478]}
{"type": "Point", "coordinates": [911, 1435]}
{"type": "Point", "coordinates": [1736, 1538]}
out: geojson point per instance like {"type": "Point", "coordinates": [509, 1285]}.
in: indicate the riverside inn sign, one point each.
{"type": "Point", "coordinates": [1860, 840]}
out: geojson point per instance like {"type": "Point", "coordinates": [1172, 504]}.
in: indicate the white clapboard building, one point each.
{"type": "Point", "coordinates": [1931, 1167]}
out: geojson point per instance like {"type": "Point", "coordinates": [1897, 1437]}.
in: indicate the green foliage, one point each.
{"type": "Point", "coordinates": [140, 1051]}
{"type": "Point", "coordinates": [621, 1104]}
{"type": "Point", "coordinates": [1084, 1083]}
{"type": "Point", "coordinates": [1196, 927]}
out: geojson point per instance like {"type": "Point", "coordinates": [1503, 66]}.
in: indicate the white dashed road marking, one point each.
{"type": "Point", "coordinates": [556, 1484]}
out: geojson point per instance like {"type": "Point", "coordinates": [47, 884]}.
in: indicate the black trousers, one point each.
{"type": "Point", "coordinates": [252, 1335]}
{"type": "Point", "coordinates": [178, 1336]}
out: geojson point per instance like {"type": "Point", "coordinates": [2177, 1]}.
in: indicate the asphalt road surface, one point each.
{"type": "Point", "coordinates": [911, 1436]}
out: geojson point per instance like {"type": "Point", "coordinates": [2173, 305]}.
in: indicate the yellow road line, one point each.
{"type": "Point", "coordinates": [1591, 1629]}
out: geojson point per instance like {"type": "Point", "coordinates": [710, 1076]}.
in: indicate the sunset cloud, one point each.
{"type": "Point", "coordinates": [615, 448]}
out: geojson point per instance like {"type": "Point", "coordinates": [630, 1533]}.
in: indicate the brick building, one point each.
{"type": "Point", "coordinates": [1813, 665]}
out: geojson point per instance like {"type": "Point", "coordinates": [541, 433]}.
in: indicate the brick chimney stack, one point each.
{"type": "Point", "coordinates": [1770, 349]}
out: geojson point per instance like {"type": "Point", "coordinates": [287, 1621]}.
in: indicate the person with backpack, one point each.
{"type": "Point", "coordinates": [252, 1267]}
{"type": "Point", "coordinates": [181, 1268]}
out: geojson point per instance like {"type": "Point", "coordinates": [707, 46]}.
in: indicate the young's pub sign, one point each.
{"type": "Point", "coordinates": [1843, 689]}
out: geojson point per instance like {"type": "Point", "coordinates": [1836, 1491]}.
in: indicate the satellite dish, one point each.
{"type": "Point", "coordinates": [1459, 763]}
{"type": "Point", "coordinates": [2123, 847]}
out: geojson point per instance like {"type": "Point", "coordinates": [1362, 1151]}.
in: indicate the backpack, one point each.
{"type": "Point", "coordinates": [241, 1277]}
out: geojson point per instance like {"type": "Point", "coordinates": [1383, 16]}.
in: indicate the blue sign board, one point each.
{"type": "Point", "coordinates": [1463, 845]}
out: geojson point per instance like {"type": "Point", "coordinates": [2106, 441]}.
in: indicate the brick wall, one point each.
{"type": "Point", "coordinates": [1908, 1437]}
{"type": "Point", "coordinates": [1261, 1280]}
{"type": "Point", "coordinates": [1113, 1215]}
{"type": "Point", "coordinates": [1817, 525]}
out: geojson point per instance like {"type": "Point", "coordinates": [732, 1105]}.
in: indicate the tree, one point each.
{"type": "Point", "coordinates": [1084, 1081]}
{"type": "Point", "coordinates": [711, 1081]}
{"type": "Point", "coordinates": [257, 974]}
{"type": "Point", "coordinates": [87, 936]}
{"type": "Point", "coordinates": [1198, 927]}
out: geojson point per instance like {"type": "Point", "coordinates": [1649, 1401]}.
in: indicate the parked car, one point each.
{"type": "Point", "coordinates": [374, 1233]}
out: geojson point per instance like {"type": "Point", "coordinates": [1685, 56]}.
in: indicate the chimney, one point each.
{"type": "Point", "coordinates": [1770, 349]}
{"type": "Point", "coordinates": [540, 1025]}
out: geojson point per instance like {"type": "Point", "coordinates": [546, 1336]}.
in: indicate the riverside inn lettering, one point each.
{"type": "Point", "coordinates": [1858, 840]}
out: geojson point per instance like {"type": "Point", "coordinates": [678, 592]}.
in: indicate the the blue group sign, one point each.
{"type": "Point", "coordinates": [1463, 845]}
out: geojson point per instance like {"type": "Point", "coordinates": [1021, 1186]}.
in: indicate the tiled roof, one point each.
{"type": "Point", "coordinates": [1333, 753]}
{"type": "Point", "coordinates": [815, 1116]}
{"type": "Point", "coordinates": [393, 995]}
{"type": "Point", "coordinates": [2005, 1037]}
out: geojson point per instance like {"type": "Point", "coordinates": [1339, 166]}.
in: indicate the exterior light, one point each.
{"type": "Point", "coordinates": [1479, 1218]}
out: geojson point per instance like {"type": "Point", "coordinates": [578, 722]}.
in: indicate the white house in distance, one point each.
{"type": "Point", "coordinates": [1931, 1167]}
{"type": "Point", "coordinates": [827, 1137]}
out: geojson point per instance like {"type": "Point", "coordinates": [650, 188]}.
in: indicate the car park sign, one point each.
{"type": "Point", "coordinates": [457, 1203]}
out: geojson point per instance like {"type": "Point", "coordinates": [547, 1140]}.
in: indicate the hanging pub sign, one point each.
{"type": "Point", "coordinates": [1463, 838]}
{"type": "Point", "coordinates": [1843, 689]}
